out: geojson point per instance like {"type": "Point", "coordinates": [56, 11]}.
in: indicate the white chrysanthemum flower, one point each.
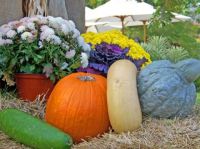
{"type": "Point", "coordinates": [5, 41]}
{"type": "Point", "coordinates": [50, 17]}
{"type": "Point", "coordinates": [21, 29]}
{"type": "Point", "coordinates": [31, 26]}
{"type": "Point", "coordinates": [53, 22]}
{"type": "Point", "coordinates": [84, 60]}
{"type": "Point", "coordinates": [13, 23]}
{"type": "Point", "coordinates": [40, 17]}
{"type": "Point", "coordinates": [46, 33]}
{"type": "Point", "coordinates": [59, 20]}
{"type": "Point", "coordinates": [76, 33]}
{"type": "Point", "coordinates": [34, 19]}
{"type": "Point", "coordinates": [86, 47]}
{"type": "Point", "coordinates": [49, 31]}
{"type": "Point", "coordinates": [40, 44]}
{"type": "Point", "coordinates": [81, 41]}
{"type": "Point", "coordinates": [72, 24]}
{"type": "Point", "coordinates": [4, 29]}
{"type": "Point", "coordinates": [27, 36]}
{"type": "Point", "coordinates": [25, 19]}
{"type": "Point", "coordinates": [65, 46]}
{"type": "Point", "coordinates": [11, 34]}
{"type": "Point", "coordinates": [8, 41]}
{"type": "Point", "coordinates": [43, 28]}
{"type": "Point", "coordinates": [65, 28]}
{"type": "Point", "coordinates": [70, 54]}
{"type": "Point", "coordinates": [54, 39]}
{"type": "Point", "coordinates": [43, 21]}
{"type": "Point", "coordinates": [64, 66]}
{"type": "Point", "coordinates": [2, 42]}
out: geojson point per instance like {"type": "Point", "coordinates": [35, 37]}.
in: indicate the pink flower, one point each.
{"type": "Point", "coordinates": [5, 41]}
{"type": "Point", "coordinates": [8, 41]}
{"type": "Point", "coordinates": [27, 36]}
{"type": "Point", "coordinates": [34, 19]}
{"type": "Point", "coordinates": [25, 19]}
{"type": "Point", "coordinates": [4, 29]}
{"type": "Point", "coordinates": [54, 39]}
{"type": "Point", "coordinates": [46, 32]}
{"type": "Point", "coordinates": [70, 54]}
{"type": "Point", "coordinates": [30, 26]}
{"type": "Point", "coordinates": [11, 34]}
{"type": "Point", "coordinates": [2, 42]}
{"type": "Point", "coordinates": [15, 24]}
{"type": "Point", "coordinates": [44, 27]}
{"type": "Point", "coordinates": [48, 70]}
{"type": "Point", "coordinates": [21, 29]}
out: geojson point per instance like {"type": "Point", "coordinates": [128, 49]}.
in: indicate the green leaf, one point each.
{"type": "Point", "coordinates": [75, 65]}
{"type": "Point", "coordinates": [28, 68]}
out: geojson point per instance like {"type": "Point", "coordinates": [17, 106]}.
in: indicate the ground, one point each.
{"type": "Point", "coordinates": [153, 134]}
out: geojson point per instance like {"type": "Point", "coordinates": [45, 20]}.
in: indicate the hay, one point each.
{"type": "Point", "coordinates": [153, 134]}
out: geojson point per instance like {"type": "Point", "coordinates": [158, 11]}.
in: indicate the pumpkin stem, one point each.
{"type": "Point", "coordinates": [190, 69]}
{"type": "Point", "coordinates": [86, 78]}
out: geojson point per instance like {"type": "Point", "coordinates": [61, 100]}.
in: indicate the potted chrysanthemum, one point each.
{"type": "Point", "coordinates": [47, 47]}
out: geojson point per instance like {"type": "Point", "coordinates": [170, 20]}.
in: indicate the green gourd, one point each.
{"type": "Point", "coordinates": [31, 131]}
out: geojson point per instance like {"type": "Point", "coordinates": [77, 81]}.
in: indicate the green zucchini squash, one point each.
{"type": "Point", "coordinates": [31, 131]}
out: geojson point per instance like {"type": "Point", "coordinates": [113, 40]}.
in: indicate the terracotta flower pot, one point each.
{"type": "Point", "coordinates": [29, 86]}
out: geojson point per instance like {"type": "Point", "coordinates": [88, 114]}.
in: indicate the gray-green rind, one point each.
{"type": "Point", "coordinates": [165, 90]}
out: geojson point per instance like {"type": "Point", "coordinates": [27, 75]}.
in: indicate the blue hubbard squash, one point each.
{"type": "Point", "coordinates": [122, 97]}
{"type": "Point", "coordinates": [167, 90]}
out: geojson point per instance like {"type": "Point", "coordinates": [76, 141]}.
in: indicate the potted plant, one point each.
{"type": "Point", "coordinates": [48, 47]}
{"type": "Point", "coordinates": [111, 46]}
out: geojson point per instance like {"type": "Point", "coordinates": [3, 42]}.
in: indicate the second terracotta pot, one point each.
{"type": "Point", "coordinates": [29, 86]}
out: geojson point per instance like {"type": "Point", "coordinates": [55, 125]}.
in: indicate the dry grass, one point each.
{"type": "Point", "coordinates": [154, 133]}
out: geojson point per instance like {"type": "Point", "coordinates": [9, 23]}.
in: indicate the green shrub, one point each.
{"type": "Point", "coordinates": [198, 98]}
{"type": "Point", "coordinates": [197, 83]}
{"type": "Point", "coordinates": [159, 48]}
{"type": "Point", "coordinates": [181, 34]}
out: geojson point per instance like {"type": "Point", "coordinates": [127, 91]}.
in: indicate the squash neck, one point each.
{"type": "Point", "coordinates": [190, 69]}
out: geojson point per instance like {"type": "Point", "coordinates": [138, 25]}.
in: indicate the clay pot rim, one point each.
{"type": "Point", "coordinates": [31, 75]}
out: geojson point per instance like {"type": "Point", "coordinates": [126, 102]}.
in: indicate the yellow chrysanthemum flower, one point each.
{"type": "Point", "coordinates": [116, 37]}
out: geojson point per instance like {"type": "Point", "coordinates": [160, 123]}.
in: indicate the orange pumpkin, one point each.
{"type": "Point", "coordinates": [78, 106]}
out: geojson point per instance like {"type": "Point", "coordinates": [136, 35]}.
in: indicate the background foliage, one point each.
{"type": "Point", "coordinates": [181, 34]}
{"type": "Point", "coordinates": [160, 49]}
{"type": "Point", "coordinates": [94, 3]}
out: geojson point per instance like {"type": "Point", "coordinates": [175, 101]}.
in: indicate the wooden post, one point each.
{"type": "Point", "coordinates": [145, 31]}
{"type": "Point", "coordinates": [76, 12]}
{"type": "Point", "coordinates": [123, 25]}
{"type": "Point", "coordinates": [57, 8]}
{"type": "Point", "coordinates": [10, 10]}
{"type": "Point", "coordinates": [69, 9]}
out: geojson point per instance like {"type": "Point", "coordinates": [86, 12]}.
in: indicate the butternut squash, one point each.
{"type": "Point", "coordinates": [122, 97]}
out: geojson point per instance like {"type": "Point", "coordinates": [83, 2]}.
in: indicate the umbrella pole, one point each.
{"type": "Point", "coordinates": [123, 25]}
{"type": "Point", "coordinates": [145, 30]}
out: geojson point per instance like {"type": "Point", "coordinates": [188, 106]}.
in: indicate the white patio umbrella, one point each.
{"type": "Point", "coordinates": [89, 14]}
{"type": "Point", "coordinates": [180, 17]}
{"type": "Point", "coordinates": [125, 10]}
{"type": "Point", "coordinates": [121, 13]}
